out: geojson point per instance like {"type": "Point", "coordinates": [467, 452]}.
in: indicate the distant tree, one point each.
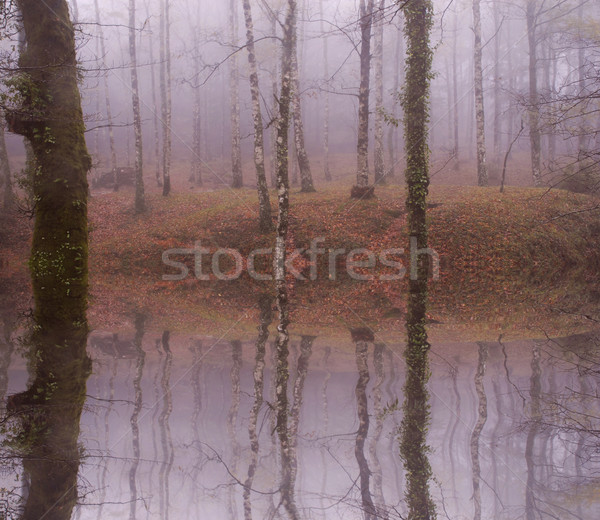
{"type": "Point", "coordinates": [306, 181]}
{"type": "Point", "coordinates": [326, 168]}
{"type": "Point", "coordinates": [365, 23]}
{"type": "Point", "coordinates": [264, 203]}
{"type": "Point", "coordinates": [109, 118]}
{"type": "Point", "coordinates": [378, 55]}
{"type": "Point", "coordinates": [165, 92]}
{"type": "Point", "coordinates": [140, 204]}
{"type": "Point", "coordinates": [237, 180]}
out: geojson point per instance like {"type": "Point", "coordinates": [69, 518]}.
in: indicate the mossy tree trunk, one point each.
{"type": "Point", "coordinates": [264, 204]}
{"type": "Point", "coordinates": [418, 18]}
{"type": "Point", "coordinates": [49, 115]}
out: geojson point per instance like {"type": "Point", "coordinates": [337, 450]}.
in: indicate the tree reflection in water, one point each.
{"type": "Point", "coordinates": [416, 408]}
{"type": "Point", "coordinates": [46, 416]}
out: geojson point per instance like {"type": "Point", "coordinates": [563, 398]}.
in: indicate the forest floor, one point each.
{"type": "Point", "coordinates": [527, 259]}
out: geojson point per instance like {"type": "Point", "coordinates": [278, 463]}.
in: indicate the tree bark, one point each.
{"type": "Point", "coordinates": [482, 176]}
{"type": "Point", "coordinates": [264, 204]}
{"type": "Point", "coordinates": [379, 151]}
{"type": "Point", "coordinates": [237, 180]}
{"type": "Point", "coordinates": [53, 124]}
{"type": "Point", "coordinates": [165, 89]}
{"type": "Point", "coordinates": [416, 418]}
{"type": "Point", "coordinates": [140, 204]}
{"type": "Point", "coordinates": [534, 109]}
{"type": "Point", "coordinates": [366, 21]}
{"type": "Point", "coordinates": [283, 123]}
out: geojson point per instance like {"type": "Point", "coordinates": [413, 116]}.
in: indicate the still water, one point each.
{"type": "Point", "coordinates": [184, 426]}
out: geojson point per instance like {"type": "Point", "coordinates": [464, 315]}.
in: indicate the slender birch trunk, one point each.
{"type": "Point", "coordinates": [534, 109]}
{"type": "Point", "coordinates": [283, 123]}
{"type": "Point", "coordinates": [497, 85]}
{"type": "Point", "coordinates": [155, 105]}
{"type": "Point", "coordinates": [366, 21]}
{"type": "Point", "coordinates": [109, 118]}
{"type": "Point", "coordinates": [165, 89]}
{"type": "Point", "coordinates": [455, 93]}
{"type": "Point", "coordinates": [196, 173]}
{"type": "Point", "coordinates": [326, 168]}
{"type": "Point", "coordinates": [378, 54]}
{"type": "Point", "coordinates": [140, 204]}
{"type": "Point", "coordinates": [8, 200]}
{"type": "Point", "coordinates": [264, 204]}
{"type": "Point", "coordinates": [237, 180]}
{"type": "Point", "coordinates": [306, 182]}
{"type": "Point", "coordinates": [393, 129]}
{"type": "Point", "coordinates": [275, 106]}
{"type": "Point", "coordinates": [482, 176]}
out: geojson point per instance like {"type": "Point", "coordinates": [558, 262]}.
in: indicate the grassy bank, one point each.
{"type": "Point", "coordinates": [526, 252]}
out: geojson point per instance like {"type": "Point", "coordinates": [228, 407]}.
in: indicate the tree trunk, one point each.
{"type": "Point", "coordinates": [264, 204]}
{"type": "Point", "coordinates": [482, 176]}
{"type": "Point", "coordinates": [283, 123]}
{"type": "Point", "coordinates": [196, 173]}
{"type": "Point", "coordinates": [155, 105]}
{"type": "Point", "coordinates": [140, 204]}
{"type": "Point", "coordinates": [379, 152]}
{"type": "Point", "coordinates": [455, 93]}
{"type": "Point", "coordinates": [165, 89]}
{"type": "Point", "coordinates": [56, 133]}
{"type": "Point", "coordinates": [306, 182]}
{"type": "Point", "coordinates": [326, 168]}
{"type": "Point", "coordinates": [366, 21]}
{"type": "Point", "coordinates": [109, 118]}
{"type": "Point", "coordinates": [393, 148]}
{"type": "Point", "coordinates": [237, 180]}
{"type": "Point", "coordinates": [275, 106]}
{"type": "Point", "coordinates": [413, 432]}
{"type": "Point", "coordinates": [497, 88]}
{"type": "Point", "coordinates": [534, 109]}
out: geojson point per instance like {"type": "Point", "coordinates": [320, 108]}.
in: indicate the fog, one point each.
{"type": "Point", "coordinates": [202, 54]}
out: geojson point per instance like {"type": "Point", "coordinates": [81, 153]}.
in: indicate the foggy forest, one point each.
{"type": "Point", "coordinates": [302, 259]}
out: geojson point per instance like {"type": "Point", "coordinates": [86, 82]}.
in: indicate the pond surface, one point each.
{"type": "Point", "coordinates": [187, 427]}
